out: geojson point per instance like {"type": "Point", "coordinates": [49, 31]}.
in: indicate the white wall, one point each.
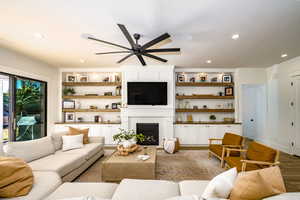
{"type": "Point", "coordinates": [18, 64]}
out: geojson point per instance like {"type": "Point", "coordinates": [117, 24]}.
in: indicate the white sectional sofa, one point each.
{"type": "Point", "coordinates": [51, 166]}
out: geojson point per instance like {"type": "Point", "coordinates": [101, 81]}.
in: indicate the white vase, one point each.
{"type": "Point", "coordinates": [127, 143]}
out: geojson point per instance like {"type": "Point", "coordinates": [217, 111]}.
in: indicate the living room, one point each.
{"type": "Point", "coordinates": [164, 100]}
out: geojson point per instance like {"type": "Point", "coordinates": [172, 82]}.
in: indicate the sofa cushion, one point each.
{"type": "Point", "coordinates": [133, 189]}
{"type": "Point", "coordinates": [188, 188]}
{"type": "Point", "coordinates": [84, 132]}
{"type": "Point", "coordinates": [30, 150]}
{"type": "Point", "coordinates": [99, 190]}
{"type": "Point", "coordinates": [44, 184]}
{"type": "Point", "coordinates": [62, 164]}
{"type": "Point", "coordinates": [232, 139]}
{"type": "Point", "coordinates": [260, 152]}
{"type": "Point", "coordinates": [88, 150]}
{"type": "Point", "coordinates": [57, 139]}
{"type": "Point", "coordinates": [236, 162]}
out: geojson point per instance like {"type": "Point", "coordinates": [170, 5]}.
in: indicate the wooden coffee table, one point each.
{"type": "Point", "coordinates": [115, 168]}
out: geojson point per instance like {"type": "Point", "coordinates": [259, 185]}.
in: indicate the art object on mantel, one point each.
{"type": "Point", "coordinates": [107, 93]}
{"type": "Point", "coordinates": [114, 106]}
{"type": "Point", "coordinates": [204, 106]}
{"type": "Point", "coordinates": [106, 79]}
{"type": "Point", "coordinates": [69, 117]}
{"type": "Point", "coordinates": [195, 107]}
{"type": "Point", "coordinates": [203, 77]}
{"type": "Point", "coordinates": [68, 104]}
{"type": "Point", "coordinates": [118, 91]}
{"type": "Point", "coordinates": [97, 119]}
{"type": "Point", "coordinates": [80, 119]}
{"type": "Point", "coordinates": [107, 106]}
{"type": "Point", "coordinates": [180, 78]}
{"type": "Point", "coordinates": [220, 94]}
{"type": "Point", "coordinates": [192, 80]}
{"type": "Point", "coordinates": [91, 95]}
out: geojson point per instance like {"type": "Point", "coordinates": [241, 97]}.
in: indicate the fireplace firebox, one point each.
{"type": "Point", "coordinates": [149, 129]}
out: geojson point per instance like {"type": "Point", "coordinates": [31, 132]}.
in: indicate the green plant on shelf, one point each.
{"type": "Point", "coordinates": [68, 91]}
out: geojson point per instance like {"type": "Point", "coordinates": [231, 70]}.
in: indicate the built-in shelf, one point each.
{"type": "Point", "coordinates": [91, 83]}
{"type": "Point", "coordinates": [91, 110]}
{"type": "Point", "coordinates": [203, 97]}
{"type": "Point", "coordinates": [204, 84]}
{"type": "Point", "coordinates": [90, 97]}
{"type": "Point", "coordinates": [88, 123]}
{"type": "Point", "coordinates": [206, 110]}
{"type": "Point", "coordinates": [209, 122]}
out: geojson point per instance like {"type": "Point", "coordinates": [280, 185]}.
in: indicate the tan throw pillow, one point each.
{"type": "Point", "coordinates": [16, 178]}
{"type": "Point", "coordinates": [85, 132]}
{"type": "Point", "coordinates": [258, 184]}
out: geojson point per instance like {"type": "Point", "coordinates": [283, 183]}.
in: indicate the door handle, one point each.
{"type": "Point", "coordinates": [251, 120]}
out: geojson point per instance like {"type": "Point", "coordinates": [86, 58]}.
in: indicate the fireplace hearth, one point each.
{"type": "Point", "coordinates": [149, 129]}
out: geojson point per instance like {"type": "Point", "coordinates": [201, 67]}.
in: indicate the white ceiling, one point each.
{"type": "Point", "coordinates": [201, 28]}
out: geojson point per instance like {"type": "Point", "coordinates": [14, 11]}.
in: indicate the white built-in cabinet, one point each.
{"type": "Point", "coordinates": [105, 130]}
{"type": "Point", "coordinates": [199, 134]}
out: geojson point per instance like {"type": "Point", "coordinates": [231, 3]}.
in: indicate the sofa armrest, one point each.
{"type": "Point", "coordinates": [97, 139]}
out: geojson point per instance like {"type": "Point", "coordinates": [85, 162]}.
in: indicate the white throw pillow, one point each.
{"type": "Point", "coordinates": [193, 197]}
{"type": "Point", "coordinates": [221, 185]}
{"type": "Point", "coordinates": [84, 198]}
{"type": "Point", "coordinates": [72, 142]}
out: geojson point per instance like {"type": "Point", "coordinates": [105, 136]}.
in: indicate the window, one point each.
{"type": "Point", "coordinates": [24, 108]}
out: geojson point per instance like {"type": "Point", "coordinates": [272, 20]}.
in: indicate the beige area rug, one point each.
{"type": "Point", "coordinates": [184, 165]}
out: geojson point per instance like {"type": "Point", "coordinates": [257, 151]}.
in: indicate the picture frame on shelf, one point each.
{"type": "Point", "coordinates": [226, 78]}
{"type": "Point", "coordinates": [70, 117]}
{"type": "Point", "coordinates": [71, 78]}
{"type": "Point", "coordinates": [83, 78]}
{"type": "Point", "coordinates": [180, 78]}
{"type": "Point", "coordinates": [114, 106]}
{"type": "Point", "coordinates": [228, 91]}
{"type": "Point", "coordinates": [68, 104]}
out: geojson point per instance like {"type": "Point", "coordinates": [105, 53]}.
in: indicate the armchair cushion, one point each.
{"type": "Point", "coordinates": [260, 152]}
{"type": "Point", "coordinates": [236, 162]}
{"type": "Point", "coordinates": [232, 139]}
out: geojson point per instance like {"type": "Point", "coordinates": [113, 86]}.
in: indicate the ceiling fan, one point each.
{"type": "Point", "coordinates": [135, 48]}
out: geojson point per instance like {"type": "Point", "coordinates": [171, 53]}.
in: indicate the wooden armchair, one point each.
{"type": "Point", "coordinates": [257, 156]}
{"type": "Point", "coordinates": [229, 140]}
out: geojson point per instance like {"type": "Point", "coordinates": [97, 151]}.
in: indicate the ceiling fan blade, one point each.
{"type": "Point", "coordinates": [91, 38]}
{"type": "Point", "coordinates": [112, 52]}
{"type": "Point", "coordinates": [155, 57]}
{"type": "Point", "coordinates": [127, 35]}
{"type": "Point", "coordinates": [125, 57]}
{"type": "Point", "coordinates": [162, 50]}
{"type": "Point", "coordinates": [156, 40]}
{"type": "Point", "coordinates": [141, 59]}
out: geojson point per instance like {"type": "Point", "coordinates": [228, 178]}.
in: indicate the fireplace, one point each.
{"type": "Point", "coordinates": [149, 129]}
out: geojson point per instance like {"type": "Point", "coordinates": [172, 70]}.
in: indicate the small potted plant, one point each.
{"type": "Point", "coordinates": [212, 117]}
{"type": "Point", "coordinates": [68, 91]}
{"type": "Point", "coordinates": [127, 138]}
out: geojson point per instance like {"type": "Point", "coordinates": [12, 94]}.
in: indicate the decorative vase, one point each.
{"type": "Point", "coordinates": [126, 143]}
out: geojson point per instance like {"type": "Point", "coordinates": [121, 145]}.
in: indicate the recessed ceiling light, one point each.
{"type": "Point", "coordinates": [208, 61]}
{"type": "Point", "coordinates": [284, 55]}
{"type": "Point", "coordinates": [235, 36]}
{"type": "Point", "coordinates": [82, 60]}
{"type": "Point", "coordinates": [38, 35]}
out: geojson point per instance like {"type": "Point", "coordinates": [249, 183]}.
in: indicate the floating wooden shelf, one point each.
{"type": "Point", "coordinates": [204, 84]}
{"type": "Point", "coordinates": [204, 97]}
{"type": "Point", "coordinates": [206, 110]}
{"type": "Point", "coordinates": [88, 123]}
{"type": "Point", "coordinates": [212, 123]}
{"type": "Point", "coordinates": [90, 97]}
{"type": "Point", "coordinates": [91, 83]}
{"type": "Point", "coordinates": [91, 110]}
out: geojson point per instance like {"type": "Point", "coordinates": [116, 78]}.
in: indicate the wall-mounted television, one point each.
{"type": "Point", "coordinates": [147, 93]}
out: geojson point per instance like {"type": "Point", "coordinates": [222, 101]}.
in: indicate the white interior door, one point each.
{"type": "Point", "coordinates": [296, 121]}
{"type": "Point", "coordinates": [253, 110]}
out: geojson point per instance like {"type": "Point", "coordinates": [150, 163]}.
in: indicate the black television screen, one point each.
{"type": "Point", "coordinates": [147, 93]}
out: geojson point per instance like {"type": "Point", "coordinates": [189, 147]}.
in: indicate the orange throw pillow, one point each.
{"type": "Point", "coordinates": [16, 177]}
{"type": "Point", "coordinates": [258, 184]}
{"type": "Point", "coordinates": [76, 131]}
